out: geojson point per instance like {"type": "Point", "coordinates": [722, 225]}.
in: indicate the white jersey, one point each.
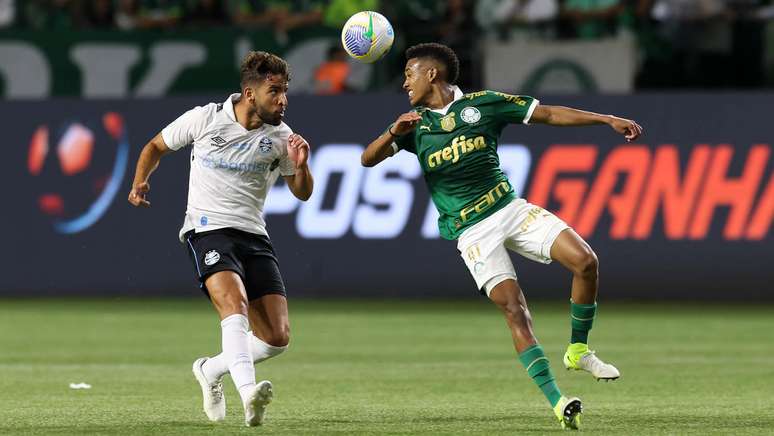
{"type": "Point", "coordinates": [232, 168]}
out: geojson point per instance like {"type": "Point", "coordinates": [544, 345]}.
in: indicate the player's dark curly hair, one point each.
{"type": "Point", "coordinates": [257, 64]}
{"type": "Point", "coordinates": [440, 53]}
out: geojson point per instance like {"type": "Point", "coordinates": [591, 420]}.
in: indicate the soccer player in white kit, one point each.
{"type": "Point", "coordinates": [238, 150]}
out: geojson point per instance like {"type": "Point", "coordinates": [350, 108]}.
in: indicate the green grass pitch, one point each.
{"type": "Point", "coordinates": [394, 367]}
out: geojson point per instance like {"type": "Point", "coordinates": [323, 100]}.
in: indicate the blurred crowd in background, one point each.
{"type": "Point", "coordinates": [681, 43]}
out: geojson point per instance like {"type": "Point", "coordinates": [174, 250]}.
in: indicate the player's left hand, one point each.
{"type": "Point", "coordinates": [298, 150]}
{"type": "Point", "coordinates": [630, 129]}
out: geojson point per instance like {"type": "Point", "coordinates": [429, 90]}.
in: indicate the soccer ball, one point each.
{"type": "Point", "coordinates": [367, 36]}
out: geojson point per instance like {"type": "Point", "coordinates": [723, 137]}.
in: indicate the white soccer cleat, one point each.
{"type": "Point", "coordinates": [589, 362]}
{"type": "Point", "coordinates": [255, 408]}
{"type": "Point", "coordinates": [214, 403]}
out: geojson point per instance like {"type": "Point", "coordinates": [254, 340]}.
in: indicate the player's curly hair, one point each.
{"type": "Point", "coordinates": [440, 53]}
{"type": "Point", "coordinates": [257, 64]}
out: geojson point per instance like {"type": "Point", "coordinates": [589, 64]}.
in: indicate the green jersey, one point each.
{"type": "Point", "coordinates": [458, 155]}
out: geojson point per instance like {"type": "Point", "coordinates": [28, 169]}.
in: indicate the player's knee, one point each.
{"type": "Point", "coordinates": [234, 304]}
{"type": "Point", "coordinates": [587, 265]}
{"type": "Point", "coordinates": [522, 329]}
{"type": "Point", "coordinates": [279, 336]}
{"type": "Point", "coordinates": [518, 317]}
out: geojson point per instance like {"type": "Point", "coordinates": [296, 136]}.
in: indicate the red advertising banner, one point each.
{"type": "Point", "coordinates": [684, 213]}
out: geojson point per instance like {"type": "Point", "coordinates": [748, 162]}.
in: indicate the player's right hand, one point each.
{"type": "Point", "coordinates": [406, 123]}
{"type": "Point", "coordinates": [137, 195]}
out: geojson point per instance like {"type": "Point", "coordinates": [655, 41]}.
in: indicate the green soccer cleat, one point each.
{"type": "Point", "coordinates": [579, 357]}
{"type": "Point", "coordinates": [568, 411]}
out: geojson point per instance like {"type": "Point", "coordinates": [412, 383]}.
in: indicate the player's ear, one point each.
{"type": "Point", "coordinates": [249, 93]}
{"type": "Point", "coordinates": [432, 73]}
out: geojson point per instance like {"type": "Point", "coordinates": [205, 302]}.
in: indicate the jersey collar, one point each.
{"type": "Point", "coordinates": [228, 106]}
{"type": "Point", "coordinates": [228, 109]}
{"type": "Point", "coordinates": [457, 95]}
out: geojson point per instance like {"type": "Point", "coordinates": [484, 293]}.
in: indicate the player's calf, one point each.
{"type": "Point", "coordinates": [275, 336]}
{"type": "Point", "coordinates": [268, 317]}
{"type": "Point", "coordinates": [262, 350]}
{"type": "Point", "coordinates": [509, 297]}
{"type": "Point", "coordinates": [519, 322]}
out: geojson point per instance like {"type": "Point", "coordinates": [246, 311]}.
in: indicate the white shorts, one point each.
{"type": "Point", "coordinates": [521, 227]}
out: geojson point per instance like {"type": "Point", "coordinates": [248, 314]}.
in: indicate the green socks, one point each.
{"type": "Point", "coordinates": [536, 363]}
{"type": "Point", "coordinates": [582, 319]}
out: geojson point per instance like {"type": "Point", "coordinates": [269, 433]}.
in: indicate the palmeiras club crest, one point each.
{"type": "Point", "coordinates": [470, 115]}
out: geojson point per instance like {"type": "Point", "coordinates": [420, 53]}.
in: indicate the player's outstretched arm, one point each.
{"type": "Point", "coordinates": [301, 183]}
{"type": "Point", "coordinates": [147, 163]}
{"type": "Point", "coordinates": [381, 148]}
{"type": "Point", "coordinates": [565, 116]}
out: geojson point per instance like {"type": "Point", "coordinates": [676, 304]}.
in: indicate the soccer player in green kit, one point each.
{"type": "Point", "coordinates": [455, 137]}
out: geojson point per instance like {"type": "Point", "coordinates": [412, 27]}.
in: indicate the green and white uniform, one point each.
{"type": "Point", "coordinates": [457, 151]}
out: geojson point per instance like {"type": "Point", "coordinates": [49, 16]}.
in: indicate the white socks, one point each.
{"type": "Point", "coordinates": [240, 350]}
{"type": "Point", "coordinates": [236, 353]}
{"type": "Point", "coordinates": [262, 351]}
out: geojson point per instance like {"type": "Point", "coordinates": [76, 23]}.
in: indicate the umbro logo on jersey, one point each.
{"type": "Point", "coordinates": [424, 127]}
{"type": "Point", "coordinates": [217, 141]}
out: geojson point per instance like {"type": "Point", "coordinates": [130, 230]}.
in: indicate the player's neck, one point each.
{"type": "Point", "coordinates": [248, 118]}
{"type": "Point", "coordinates": [441, 96]}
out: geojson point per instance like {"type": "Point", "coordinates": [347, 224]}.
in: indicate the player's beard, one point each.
{"type": "Point", "coordinates": [268, 117]}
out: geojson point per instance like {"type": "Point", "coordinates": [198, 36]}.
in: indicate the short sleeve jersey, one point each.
{"type": "Point", "coordinates": [457, 150]}
{"type": "Point", "coordinates": [232, 168]}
